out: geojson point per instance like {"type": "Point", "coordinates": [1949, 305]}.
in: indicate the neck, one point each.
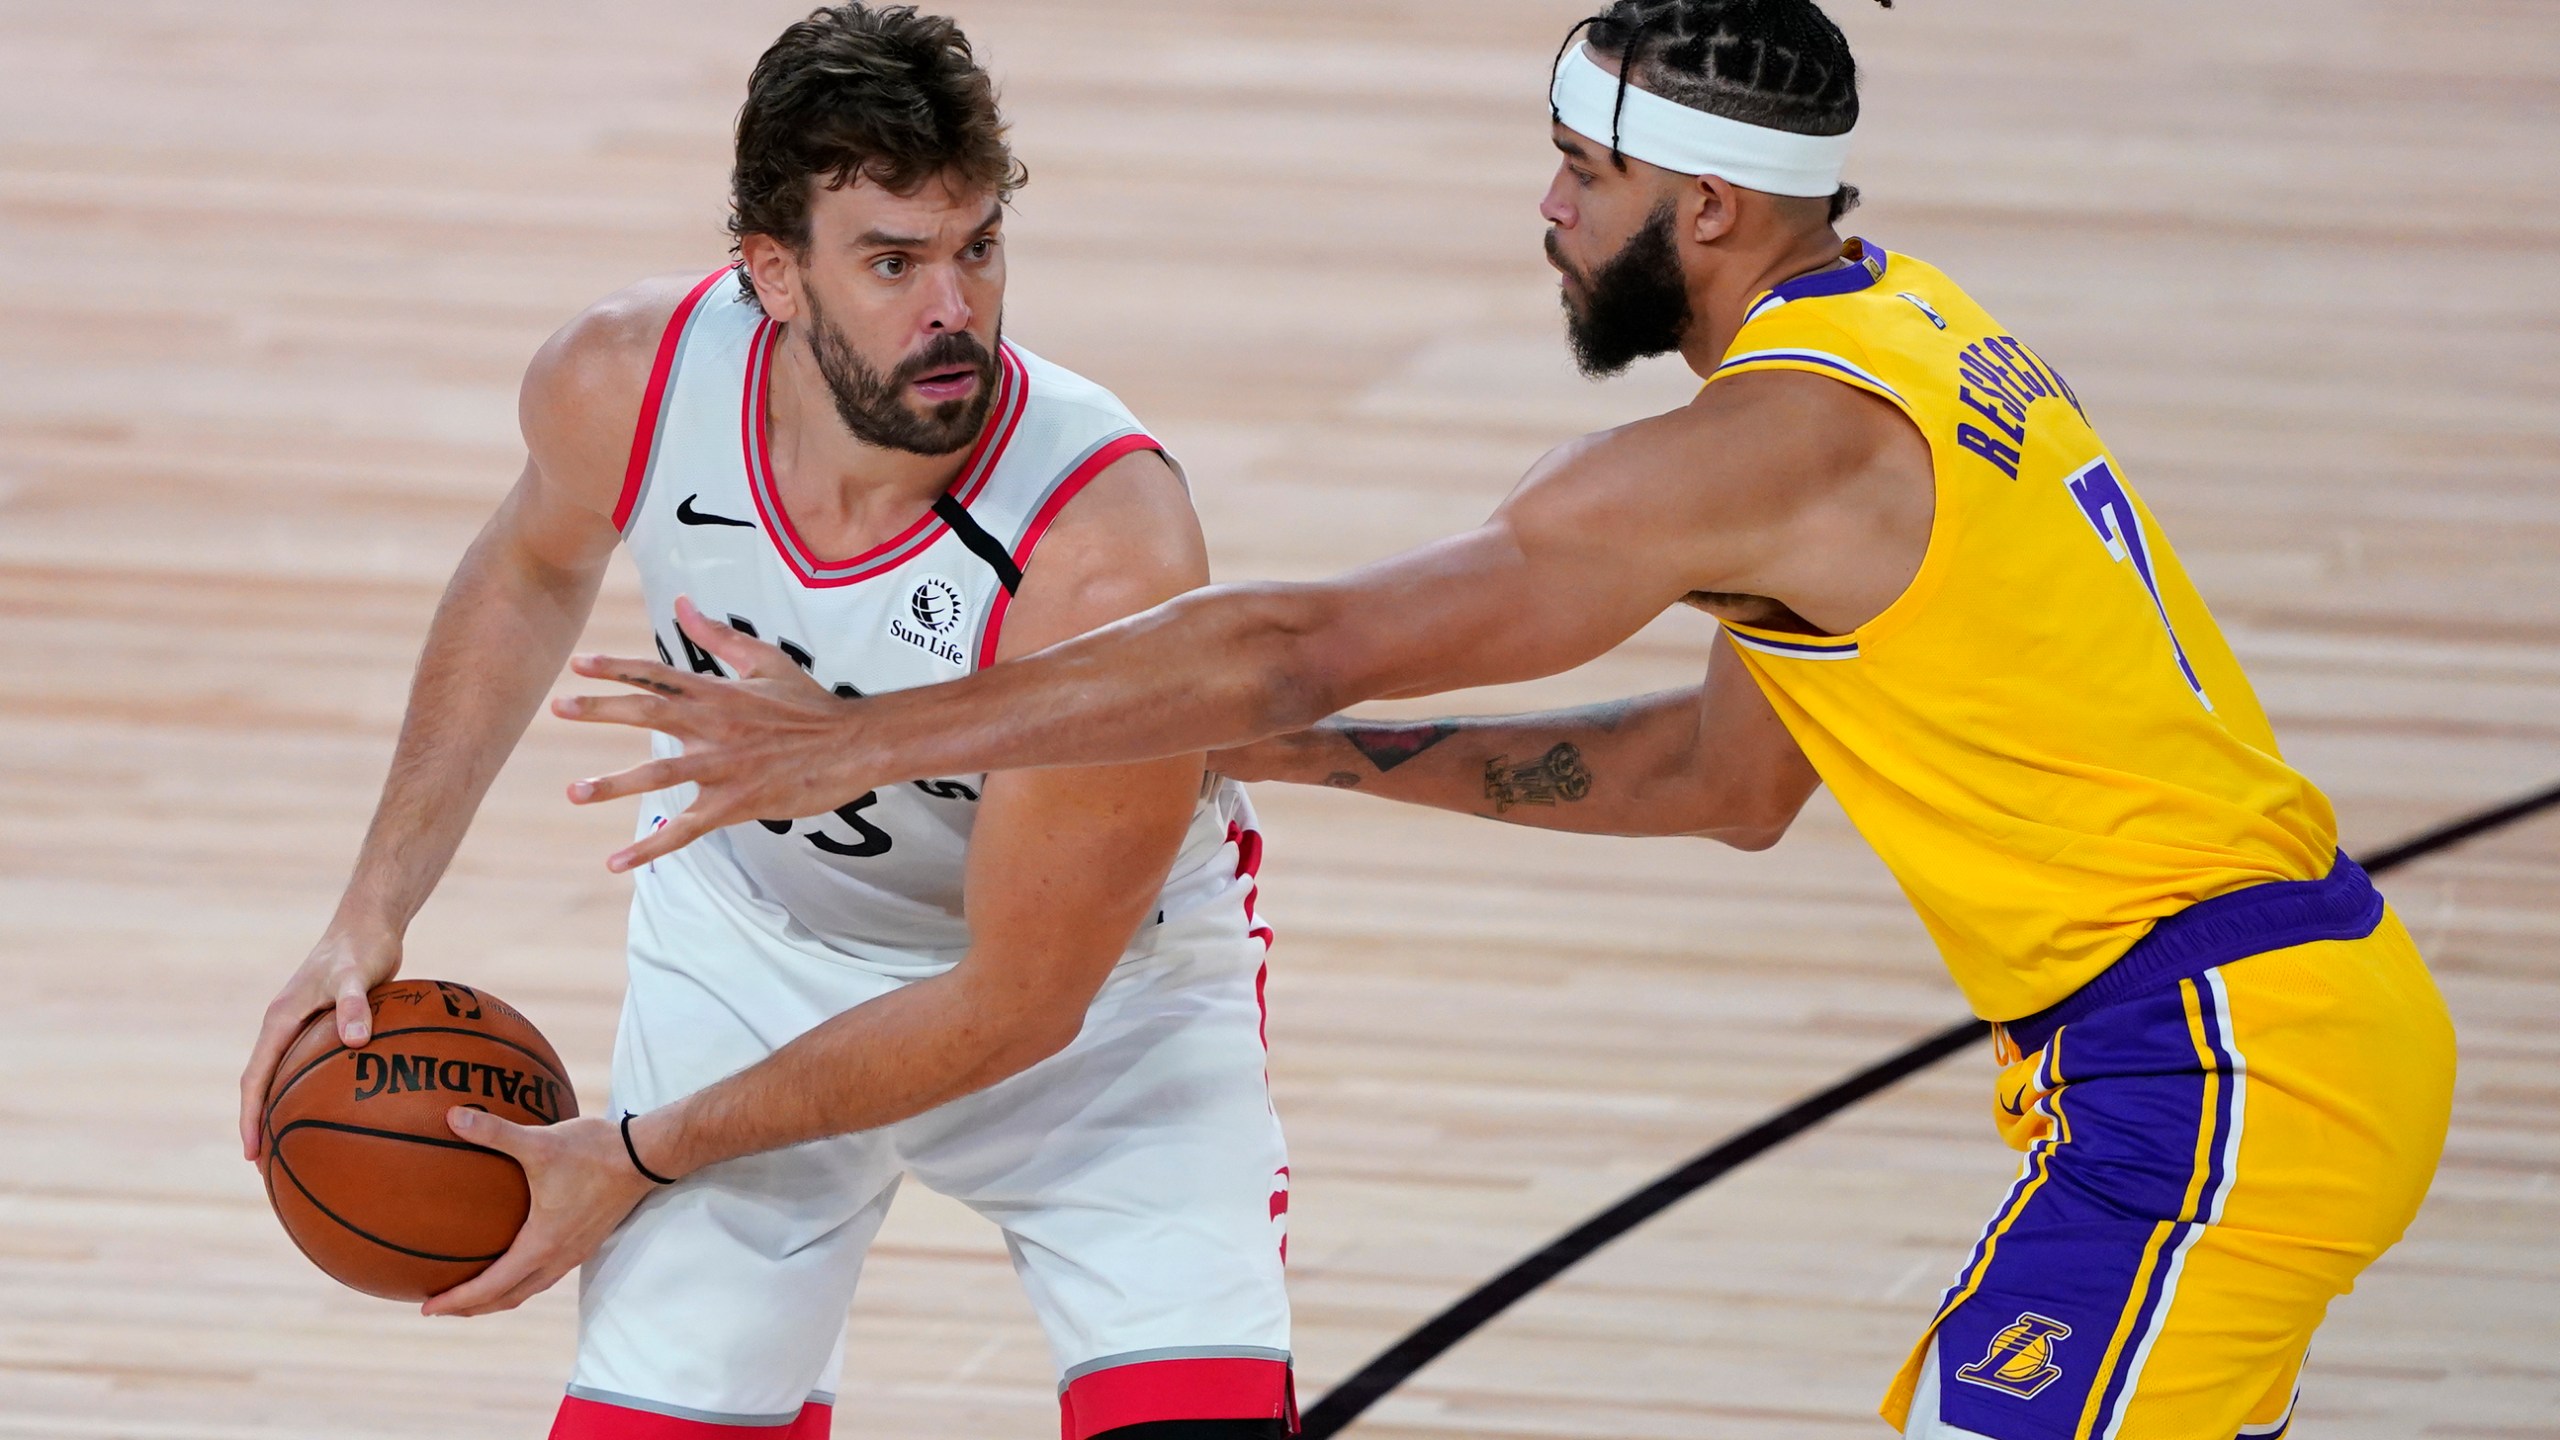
{"type": "Point", "coordinates": [1719, 300]}
{"type": "Point", "coordinates": [835, 484]}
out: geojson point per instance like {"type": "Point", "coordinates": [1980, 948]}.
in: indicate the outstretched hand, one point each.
{"type": "Point", "coordinates": [747, 741]}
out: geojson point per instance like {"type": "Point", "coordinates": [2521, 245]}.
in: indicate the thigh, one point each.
{"type": "Point", "coordinates": [722, 1298]}
{"type": "Point", "coordinates": [1142, 1185]}
{"type": "Point", "coordinates": [2207, 1168]}
{"type": "Point", "coordinates": [720, 1301]}
{"type": "Point", "coordinates": [2341, 1062]}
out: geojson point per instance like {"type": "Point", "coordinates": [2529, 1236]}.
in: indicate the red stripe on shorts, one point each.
{"type": "Point", "coordinates": [1224, 1388]}
{"type": "Point", "coordinates": [582, 1419]}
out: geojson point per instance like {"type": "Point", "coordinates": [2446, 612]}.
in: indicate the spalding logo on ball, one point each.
{"type": "Point", "coordinates": [369, 1180]}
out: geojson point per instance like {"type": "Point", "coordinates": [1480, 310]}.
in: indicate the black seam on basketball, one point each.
{"type": "Point", "coordinates": [371, 1132]}
{"type": "Point", "coordinates": [266, 1116]}
{"type": "Point", "coordinates": [350, 1226]}
{"type": "Point", "coordinates": [276, 1093]}
{"type": "Point", "coordinates": [267, 1173]}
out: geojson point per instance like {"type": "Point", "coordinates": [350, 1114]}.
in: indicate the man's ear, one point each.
{"type": "Point", "coordinates": [775, 269]}
{"type": "Point", "coordinates": [1717, 209]}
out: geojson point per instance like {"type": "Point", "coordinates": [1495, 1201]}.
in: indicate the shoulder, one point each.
{"type": "Point", "coordinates": [1056, 385]}
{"type": "Point", "coordinates": [1126, 541]}
{"type": "Point", "coordinates": [583, 390]}
{"type": "Point", "coordinates": [1808, 332]}
{"type": "Point", "coordinates": [1722, 486]}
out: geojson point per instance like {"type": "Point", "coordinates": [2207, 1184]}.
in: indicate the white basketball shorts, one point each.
{"type": "Point", "coordinates": [1138, 1176]}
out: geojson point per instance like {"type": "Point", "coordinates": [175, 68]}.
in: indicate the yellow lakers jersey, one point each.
{"type": "Point", "coordinates": [2044, 736]}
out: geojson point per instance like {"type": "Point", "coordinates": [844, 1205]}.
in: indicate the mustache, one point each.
{"type": "Point", "coordinates": [1555, 257]}
{"type": "Point", "coordinates": [956, 347]}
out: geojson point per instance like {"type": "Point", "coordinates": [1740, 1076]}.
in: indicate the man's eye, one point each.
{"type": "Point", "coordinates": [889, 267]}
{"type": "Point", "coordinates": [982, 249]}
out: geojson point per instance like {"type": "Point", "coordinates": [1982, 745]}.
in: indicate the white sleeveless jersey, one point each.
{"type": "Point", "coordinates": [880, 878]}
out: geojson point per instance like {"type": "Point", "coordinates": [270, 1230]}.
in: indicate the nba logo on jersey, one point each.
{"type": "Point", "coordinates": [2020, 1360]}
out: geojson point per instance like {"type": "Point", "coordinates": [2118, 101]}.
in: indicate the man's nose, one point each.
{"type": "Point", "coordinates": [946, 304]}
{"type": "Point", "coordinates": [1554, 208]}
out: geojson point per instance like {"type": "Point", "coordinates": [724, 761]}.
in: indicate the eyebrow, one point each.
{"type": "Point", "coordinates": [1571, 147]}
{"type": "Point", "coordinates": [878, 239]}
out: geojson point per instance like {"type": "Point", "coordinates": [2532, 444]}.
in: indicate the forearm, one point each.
{"type": "Point", "coordinates": [499, 636]}
{"type": "Point", "coordinates": [919, 1046]}
{"type": "Point", "coordinates": [1216, 667]}
{"type": "Point", "coordinates": [1629, 767]}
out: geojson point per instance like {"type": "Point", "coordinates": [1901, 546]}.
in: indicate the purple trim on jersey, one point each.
{"type": "Point", "coordinates": [1827, 650]}
{"type": "Point", "coordinates": [2274, 915]}
{"type": "Point", "coordinates": [1865, 269]}
{"type": "Point", "coordinates": [1811, 357]}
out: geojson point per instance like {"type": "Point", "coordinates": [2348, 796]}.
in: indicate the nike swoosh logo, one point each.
{"type": "Point", "coordinates": [2011, 1104]}
{"type": "Point", "coordinates": [690, 516]}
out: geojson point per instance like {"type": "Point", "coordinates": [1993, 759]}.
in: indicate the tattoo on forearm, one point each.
{"type": "Point", "coordinates": [1557, 775]}
{"type": "Point", "coordinates": [1389, 746]}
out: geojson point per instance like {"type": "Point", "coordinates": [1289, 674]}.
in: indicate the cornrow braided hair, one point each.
{"type": "Point", "coordinates": [1775, 63]}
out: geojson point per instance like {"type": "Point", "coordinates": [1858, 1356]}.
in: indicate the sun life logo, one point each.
{"type": "Point", "coordinates": [935, 604]}
{"type": "Point", "coordinates": [934, 607]}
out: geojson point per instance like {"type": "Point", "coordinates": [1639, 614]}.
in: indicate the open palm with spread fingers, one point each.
{"type": "Point", "coordinates": [739, 735]}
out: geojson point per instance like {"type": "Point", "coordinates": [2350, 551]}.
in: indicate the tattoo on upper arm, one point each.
{"type": "Point", "coordinates": [1557, 775]}
{"type": "Point", "coordinates": [1389, 746]}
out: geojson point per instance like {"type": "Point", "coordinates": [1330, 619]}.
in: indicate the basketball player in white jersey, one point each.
{"type": "Point", "coordinates": [1039, 993]}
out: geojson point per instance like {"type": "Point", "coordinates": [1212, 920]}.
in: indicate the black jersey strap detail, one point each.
{"type": "Point", "coordinates": [980, 543]}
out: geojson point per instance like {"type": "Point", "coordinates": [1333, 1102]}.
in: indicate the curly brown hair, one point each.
{"type": "Point", "coordinates": [862, 91]}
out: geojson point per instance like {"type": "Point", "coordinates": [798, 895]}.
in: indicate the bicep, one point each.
{"type": "Point", "coordinates": [1747, 773]}
{"type": "Point", "coordinates": [1539, 588]}
{"type": "Point", "coordinates": [1064, 865]}
{"type": "Point", "coordinates": [550, 531]}
{"type": "Point", "coordinates": [578, 407]}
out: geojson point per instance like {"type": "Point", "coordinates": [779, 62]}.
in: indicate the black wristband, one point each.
{"type": "Point", "coordinates": [634, 1152]}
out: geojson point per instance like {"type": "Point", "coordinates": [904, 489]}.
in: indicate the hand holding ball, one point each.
{"type": "Point", "coordinates": [369, 1180]}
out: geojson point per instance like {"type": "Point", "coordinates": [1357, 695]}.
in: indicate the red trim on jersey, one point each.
{"type": "Point", "coordinates": [1094, 464]}
{"type": "Point", "coordinates": [1209, 1388]}
{"type": "Point", "coordinates": [1004, 415]}
{"type": "Point", "coordinates": [1248, 845]}
{"type": "Point", "coordinates": [582, 1419]}
{"type": "Point", "coordinates": [644, 434]}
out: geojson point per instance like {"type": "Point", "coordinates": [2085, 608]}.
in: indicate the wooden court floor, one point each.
{"type": "Point", "coordinates": [274, 266]}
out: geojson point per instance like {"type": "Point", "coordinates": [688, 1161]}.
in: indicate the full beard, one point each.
{"type": "Point", "coordinates": [873, 405]}
{"type": "Point", "coordinates": [1634, 306]}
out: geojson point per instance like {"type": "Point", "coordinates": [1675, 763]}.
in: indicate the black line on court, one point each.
{"type": "Point", "coordinates": [1398, 1362]}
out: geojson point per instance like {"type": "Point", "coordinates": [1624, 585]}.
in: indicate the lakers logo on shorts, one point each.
{"type": "Point", "coordinates": [2020, 1360]}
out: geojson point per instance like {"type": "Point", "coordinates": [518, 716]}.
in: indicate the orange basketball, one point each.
{"type": "Point", "coordinates": [360, 1166]}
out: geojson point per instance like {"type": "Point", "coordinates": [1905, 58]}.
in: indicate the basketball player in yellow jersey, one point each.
{"type": "Point", "coordinates": [2223, 1059]}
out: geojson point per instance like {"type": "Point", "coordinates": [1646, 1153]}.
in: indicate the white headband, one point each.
{"type": "Point", "coordinates": [1693, 142]}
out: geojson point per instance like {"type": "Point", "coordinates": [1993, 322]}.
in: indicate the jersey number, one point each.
{"type": "Point", "coordinates": [869, 839]}
{"type": "Point", "coordinates": [2110, 511]}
